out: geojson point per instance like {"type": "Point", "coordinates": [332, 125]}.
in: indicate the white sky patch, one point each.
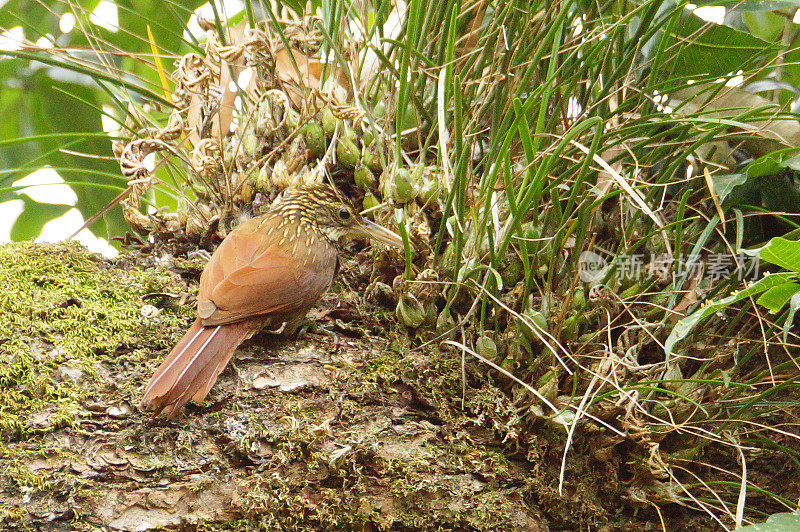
{"type": "Point", "coordinates": [45, 42]}
{"type": "Point", "coordinates": [714, 14]}
{"type": "Point", "coordinates": [736, 80]}
{"type": "Point", "coordinates": [661, 101]}
{"type": "Point", "coordinates": [46, 186]}
{"type": "Point", "coordinates": [66, 23]}
{"type": "Point", "coordinates": [391, 30]}
{"type": "Point", "coordinates": [226, 9]}
{"type": "Point", "coordinates": [12, 39]}
{"type": "Point", "coordinates": [106, 16]}
{"type": "Point", "coordinates": [60, 228]}
{"type": "Point", "coordinates": [577, 26]}
{"type": "Point", "coordinates": [796, 18]}
{"type": "Point", "coordinates": [149, 162]}
{"type": "Point", "coordinates": [9, 211]}
{"type": "Point", "coordinates": [356, 31]}
{"type": "Point", "coordinates": [245, 77]}
{"type": "Point", "coordinates": [110, 125]}
{"type": "Point", "coordinates": [574, 108]}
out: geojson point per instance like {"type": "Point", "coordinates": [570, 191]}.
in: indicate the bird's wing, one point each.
{"type": "Point", "coordinates": [249, 276]}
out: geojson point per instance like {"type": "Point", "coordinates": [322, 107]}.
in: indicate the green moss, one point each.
{"type": "Point", "coordinates": [12, 514]}
{"type": "Point", "coordinates": [66, 317]}
{"type": "Point", "coordinates": [385, 444]}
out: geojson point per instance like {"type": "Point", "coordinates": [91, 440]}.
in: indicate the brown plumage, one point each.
{"type": "Point", "coordinates": [268, 271]}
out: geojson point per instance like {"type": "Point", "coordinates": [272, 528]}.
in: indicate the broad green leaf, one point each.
{"type": "Point", "coordinates": [687, 324]}
{"type": "Point", "coordinates": [750, 5]}
{"type": "Point", "coordinates": [46, 107]}
{"type": "Point", "coordinates": [783, 253]}
{"type": "Point", "coordinates": [782, 522]}
{"type": "Point", "coordinates": [776, 297]}
{"type": "Point", "coordinates": [724, 184]}
{"type": "Point", "coordinates": [33, 217]}
{"type": "Point", "coordinates": [38, 18]}
{"type": "Point", "coordinates": [701, 49]}
{"type": "Point", "coordinates": [773, 163]}
{"type": "Point", "coordinates": [764, 24]}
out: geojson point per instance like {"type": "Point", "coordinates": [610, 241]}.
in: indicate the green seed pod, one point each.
{"type": "Point", "coordinates": [263, 179]}
{"type": "Point", "coordinates": [417, 176]}
{"type": "Point", "coordinates": [429, 190]}
{"type": "Point", "coordinates": [329, 122]}
{"type": "Point", "coordinates": [410, 311]}
{"type": "Point", "coordinates": [347, 153]}
{"type": "Point", "coordinates": [249, 142]}
{"type": "Point", "coordinates": [569, 329]}
{"type": "Point", "coordinates": [579, 299]}
{"type": "Point", "coordinates": [379, 110]}
{"type": "Point", "coordinates": [363, 177]}
{"type": "Point", "coordinates": [547, 385]}
{"type": "Point", "coordinates": [335, 89]}
{"type": "Point", "coordinates": [368, 137]}
{"type": "Point", "coordinates": [229, 155]}
{"type": "Point", "coordinates": [315, 139]}
{"type": "Point", "coordinates": [510, 364]}
{"type": "Point", "coordinates": [370, 202]}
{"type": "Point", "coordinates": [512, 272]}
{"type": "Point", "coordinates": [538, 320]}
{"type": "Point", "coordinates": [387, 185]}
{"type": "Point", "coordinates": [445, 323]}
{"type": "Point", "coordinates": [372, 159]}
{"type": "Point", "coordinates": [402, 190]}
{"type": "Point", "coordinates": [447, 258]}
{"type": "Point", "coordinates": [528, 231]}
{"type": "Point", "coordinates": [264, 120]}
{"type": "Point", "coordinates": [292, 118]}
{"type": "Point", "coordinates": [486, 347]}
{"type": "Point", "coordinates": [410, 118]}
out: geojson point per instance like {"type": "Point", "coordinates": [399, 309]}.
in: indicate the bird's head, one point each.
{"type": "Point", "coordinates": [327, 211]}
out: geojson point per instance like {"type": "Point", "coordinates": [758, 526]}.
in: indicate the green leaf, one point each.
{"type": "Point", "coordinates": [33, 217]}
{"type": "Point", "coordinates": [47, 106]}
{"type": "Point", "coordinates": [782, 522]}
{"type": "Point", "coordinates": [38, 18]}
{"type": "Point", "coordinates": [783, 253]}
{"type": "Point", "coordinates": [687, 324]}
{"type": "Point", "coordinates": [724, 184]}
{"type": "Point", "coordinates": [774, 163]}
{"type": "Point", "coordinates": [776, 297]}
{"type": "Point", "coordinates": [764, 24]}
{"type": "Point", "coordinates": [702, 49]}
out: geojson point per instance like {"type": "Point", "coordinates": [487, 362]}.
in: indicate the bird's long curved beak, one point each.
{"type": "Point", "coordinates": [369, 229]}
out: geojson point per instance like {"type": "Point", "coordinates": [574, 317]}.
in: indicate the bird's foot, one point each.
{"type": "Point", "coordinates": [303, 327]}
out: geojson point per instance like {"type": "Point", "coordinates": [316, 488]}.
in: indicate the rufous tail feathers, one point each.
{"type": "Point", "coordinates": [192, 367]}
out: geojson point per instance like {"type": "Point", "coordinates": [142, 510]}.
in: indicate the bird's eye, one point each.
{"type": "Point", "coordinates": [344, 213]}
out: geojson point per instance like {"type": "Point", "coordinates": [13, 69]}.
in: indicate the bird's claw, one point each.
{"type": "Point", "coordinates": [304, 327]}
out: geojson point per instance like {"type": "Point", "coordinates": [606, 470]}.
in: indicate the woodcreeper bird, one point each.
{"type": "Point", "coordinates": [268, 271]}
